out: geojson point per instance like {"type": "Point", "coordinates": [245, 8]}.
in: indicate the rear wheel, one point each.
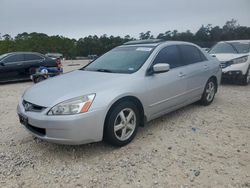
{"type": "Point", "coordinates": [39, 79]}
{"type": "Point", "coordinates": [246, 78]}
{"type": "Point", "coordinates": [209, 92]}
{"type": "Point", "coordinates": [32, 70]}
{"type": "Point", "coordinates": [121, 124]}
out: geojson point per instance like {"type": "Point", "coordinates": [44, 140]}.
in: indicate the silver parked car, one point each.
{"type": "Point", "coordinates": [119, 91]}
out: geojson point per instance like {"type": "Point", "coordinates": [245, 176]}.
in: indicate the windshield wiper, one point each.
{"type": "Point", "coordinates": [103, 70]}
{"type": "Point", "coordinates": [98, 70]}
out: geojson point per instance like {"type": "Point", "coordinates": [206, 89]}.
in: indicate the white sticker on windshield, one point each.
{"type": "Point", "coordinates": [144, 49]}
{"type": "Point", "coordinates": [131, 69]}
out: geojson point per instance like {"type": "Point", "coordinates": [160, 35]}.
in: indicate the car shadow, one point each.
{"type": "Point", "coordinates": [15, 81]}
{"type": "Point", "coordinates": [95, 149]}
{"type": "Point", "coordinates": [170, 117]}
{"type": "Point", "coordinates": [231, 82]}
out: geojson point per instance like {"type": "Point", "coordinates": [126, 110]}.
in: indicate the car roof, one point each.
{"type": "Point", "coordinates": [24, 53]}
{"type": "Point", "coordinates": [236, 41]}
{"type": "Point", "coordinates": [154, 42]}
{"type": "Point", "coordinates": [13, 53]}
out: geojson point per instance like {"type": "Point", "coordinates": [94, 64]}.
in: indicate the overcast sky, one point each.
{"type": "Point", "coordinates": [79, 18]}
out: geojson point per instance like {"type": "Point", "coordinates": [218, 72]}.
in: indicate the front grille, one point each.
{"type": "Point", "coordinates": [36, 130]}
{"type": "Point", "coordinates": [32, 107]}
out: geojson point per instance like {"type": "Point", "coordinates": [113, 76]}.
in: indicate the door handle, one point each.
{"type": "Point", "coordinates": [181, 74]}
{"type": "Point", "coordinates": [205, 67]}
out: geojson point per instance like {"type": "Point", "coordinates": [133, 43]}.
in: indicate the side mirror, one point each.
{"type": "Point", "coordinates": [161, 67]}
{"type": "Point", "coordinates": [2, 64]}
{"type": "Point", "coordinates": [158, 68]}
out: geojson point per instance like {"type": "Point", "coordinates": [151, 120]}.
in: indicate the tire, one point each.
{"type": "Point", "coordinates": [39, 79]}
{"type": "Point", "coordinates": [126, 129]}
{"type": "Point", "coordinates": [246, 78]}
{"type": "Point", "coordinates": [32, 70]}
{"type": "Point", "coordinates": [209, 92]}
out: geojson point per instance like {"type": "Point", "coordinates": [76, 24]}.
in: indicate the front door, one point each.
{"type": "Point", "coordinates": [165, 91]}
{"type": "Point", "coordinates": [11, 67]}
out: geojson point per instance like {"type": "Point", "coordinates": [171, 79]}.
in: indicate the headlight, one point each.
{"type": "Point", "coordinates": [73, 106]}
{"type": "Point", "coordinates": [240, 60]}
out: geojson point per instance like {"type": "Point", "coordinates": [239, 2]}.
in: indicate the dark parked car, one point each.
{"type": "Point", "coordinates": [54, 55]}
{"type": "Point", "coordinates": [20, 65]}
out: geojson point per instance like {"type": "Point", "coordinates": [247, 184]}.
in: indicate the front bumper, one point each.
{"type": "Point", "coordinates": [232, 75]}
{"type": "Point", "coordinates": [240, 68]}
{"type": "Point", "coordinates": [65, 129]}
{"type": "Point", "coordinates": [234, 71]}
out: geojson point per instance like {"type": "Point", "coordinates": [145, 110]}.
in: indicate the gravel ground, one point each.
{"type": "Point", "coordinates": [195, 146]}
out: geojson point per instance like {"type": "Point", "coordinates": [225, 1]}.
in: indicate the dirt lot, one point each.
{"type": "Point", "coordinates": [194, 146]}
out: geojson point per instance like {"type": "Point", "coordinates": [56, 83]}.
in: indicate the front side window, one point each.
{"type": "Point", "coordinates": [169, 55]}
{"type": "Point", "coordinates": [124, 59]}
{"type": "Point", "coordinates": [190, 54]}
{"type": "Point", "coordinates": [241, 47]}
{"type": "Point", "coordinates": [14, 58]}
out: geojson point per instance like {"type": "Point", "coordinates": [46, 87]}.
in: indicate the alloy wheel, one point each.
{"type": "Point", "coordinates": [210, 91]}
{"type": "Point", "coordinates": [125, 124]}
{"type": "Point", "coordinates": [248, 76]}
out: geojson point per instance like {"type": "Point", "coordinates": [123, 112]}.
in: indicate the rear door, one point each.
{"type": "Point", "coordinates": [11, 67]}
{"type": "Point", "coordinates": [33, 60]}
{"type": "Point", "coordinates": [197, 70]}
{"type": "Point", "coordinates": [165, 91]}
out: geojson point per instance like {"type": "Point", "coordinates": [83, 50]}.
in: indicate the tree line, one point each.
{"type": "Point", "coordinates": [206, 36]}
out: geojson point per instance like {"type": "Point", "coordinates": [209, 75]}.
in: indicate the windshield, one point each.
{"type": "Point", "coordinates": [230, 47]}
{"type": "Point", "coordinates": [3, 55]}
{"type": "Point", "coordinates": [125, 59]}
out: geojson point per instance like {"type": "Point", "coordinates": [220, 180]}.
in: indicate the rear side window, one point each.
{"type": "Point", "coordinates": [29, 57]}
{"type": "Point", "coordinates": [14, 58]}
{"type": "Point", "coordinates": [169, 55]}
{"type": "Point", "coordinates": [191, 54]}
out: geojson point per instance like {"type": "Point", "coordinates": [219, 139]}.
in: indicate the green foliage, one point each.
{"type": "Point", "coordinates": [98, 45]}
{"type": "Point", "coordinates": [147, 35]}
{"type": "Point", "coordinates": [206, 36]}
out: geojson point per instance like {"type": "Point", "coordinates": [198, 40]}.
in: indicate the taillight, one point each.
{"type": "Point", "coordinates": [58, 62]}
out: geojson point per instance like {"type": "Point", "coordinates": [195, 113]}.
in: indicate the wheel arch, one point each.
{"type": "Point", "coordinates": [216, 82]}
{"type": "Point", "coordinates": [127, 98]}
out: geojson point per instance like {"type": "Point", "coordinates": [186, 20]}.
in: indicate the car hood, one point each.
{"type": "Point", "coordinates": [227, 57]}
{"type": "Point", "coordinates": [74, 84]}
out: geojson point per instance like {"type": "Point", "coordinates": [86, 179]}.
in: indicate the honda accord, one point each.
{"type": "Point", "coordinates": [115, 94]}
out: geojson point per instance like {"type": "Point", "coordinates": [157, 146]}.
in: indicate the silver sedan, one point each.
{"type": "Point", "coordinates": [123, 89]}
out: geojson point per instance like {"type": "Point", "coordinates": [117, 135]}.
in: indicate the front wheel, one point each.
{"type": "Point", "coordinates": [121, 124]}
{"type": "Point", "coordinates": [246, 78]}
{"type": "Point", "coordinates": [209, 92]}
